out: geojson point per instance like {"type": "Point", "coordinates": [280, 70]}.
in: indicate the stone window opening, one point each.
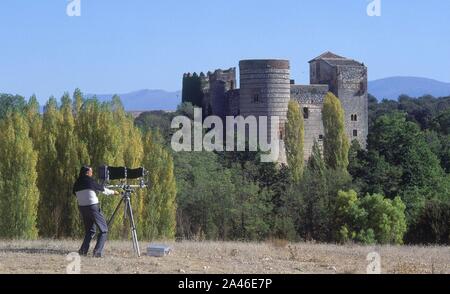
{"type": "Point", "coordinates": [305, 112]}
{"type": "Point", "coordinates": [320, 137]}
{"type": "Point", "coordinates": [355, 133]}
{"type": "Point", "coordinates": [354, 117]}
{"type": "Point", "coordinates": [362, 88]}
{"type": "Point", "coordinates": [256, 98]}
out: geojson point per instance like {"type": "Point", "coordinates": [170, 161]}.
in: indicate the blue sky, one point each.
{"type": "Point", "coordinates": [120, 46]}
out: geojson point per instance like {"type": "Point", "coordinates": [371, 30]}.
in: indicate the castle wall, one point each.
{"type": "Point", "coordinates": [321, 72]}
{"type": "Point", "coordinates": [232, 97]}
{"type": "Point", "coordinates": [217, 101]}
{"type": "Point", "coordinates": [310, 98]}
{"type": "Point", "coordinates": [352, 92]}
{"type": "Point", "coordinates": [221, 82]}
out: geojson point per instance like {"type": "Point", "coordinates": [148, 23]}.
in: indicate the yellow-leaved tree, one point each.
{"type": "Point", "coordinates": [336, 144]}
{"type": "Point", "coordinates": [19, 195]}
{"type": "Point", "coordinates": [295, 134]}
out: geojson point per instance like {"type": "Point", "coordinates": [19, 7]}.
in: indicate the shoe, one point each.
{"type": "Point", "coordinates": [98, 255]}
{"type": "Point", "coordinates": [82, 253]}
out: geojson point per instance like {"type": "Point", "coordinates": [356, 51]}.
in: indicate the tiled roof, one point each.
{"type": "Point", "coordinates": [336, 60]}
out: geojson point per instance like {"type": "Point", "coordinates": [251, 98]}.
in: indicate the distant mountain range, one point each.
{"type": "Point", "coordinates": [145, 100]}
{"type": "Point", "coordinates": [393, 87]}
{"type": "Point", "coordinates": [388, 88]}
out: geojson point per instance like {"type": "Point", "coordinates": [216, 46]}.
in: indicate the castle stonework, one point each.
{"type": "Point", "coordinates": [266, 89]}
{"type": "Point", "coordinates": [347, 79]}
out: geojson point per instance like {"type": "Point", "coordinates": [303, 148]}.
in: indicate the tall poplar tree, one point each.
{"type": "Point", "coordinates": [34, 120]}
{"type": "Point", "coordinates": [71, 155]}
{"type": "Point", "coordinates": [295, 134]}
{"type": "Point", "coordinates": [336, 144]}
{"type": "Point", "coordinates": [19, 195]}
{"type": "Point", "coordinates": [50, 212]}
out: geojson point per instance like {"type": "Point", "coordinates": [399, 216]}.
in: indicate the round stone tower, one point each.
{"type": "Point", "coordinates": [265, 89]}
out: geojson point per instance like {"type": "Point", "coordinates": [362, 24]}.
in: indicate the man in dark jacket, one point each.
{"type": "Point", "coordinates": [85, 189]}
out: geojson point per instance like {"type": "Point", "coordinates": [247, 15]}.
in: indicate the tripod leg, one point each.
{"type": "Point", "coordinates": [114, 213]}
{"type": "Point", "coordinates": [133, 230]}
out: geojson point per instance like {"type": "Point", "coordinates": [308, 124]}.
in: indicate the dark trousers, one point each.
{"type": "Point", "coordinates": [92, 218]}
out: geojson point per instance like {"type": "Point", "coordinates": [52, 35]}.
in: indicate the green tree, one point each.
{"type": "Point", "coordinates": [34, 121]}
{"type": "Point", "coordinates": [50, 211]}
{"type": "Point", "coordinates": [336, 143]}
{"type": "Point", "coordinates": [295, 134]}
{"type": "Point", "coordinates": [205, 196]}
{"type": "Point", "coordinates": [403, 147]}
{"type": "Point", "coordinates": [158, 205]}
{"type": "Point", "coordinates": [445, 152]}
{"type": "Point", "coordinates": [77, 101]}
{"type": "Point", "coordinates": [156, 120]}
{"type": "Point", "coordinates": [355, 165]}
{"type": "Point", "coordinates": [251, 207]}
{"type": "Point", "coordinates": [350, 218]}
{"type": "Point", "coordinates": [432, 225]}
{"type": "Point", "coordinates": [386, 218]}
{"type": "Point", "coordinates": [373, 174]}
{"type": "Point", "coordinates": [19, 194]}
{"type": "Point", "coordinates": [186, 109]}
{"type": "Point", "coordinates": [71, 155]}
{"type": "Point", "coordinates": [371, 219]}
{"type": "Point", "coordinates": [11, 103]}
{"type": "Point", "coordinates": [312, 200]}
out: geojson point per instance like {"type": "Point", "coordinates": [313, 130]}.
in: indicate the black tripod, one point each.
{"type": "Point", "coordinates": [126, 196]}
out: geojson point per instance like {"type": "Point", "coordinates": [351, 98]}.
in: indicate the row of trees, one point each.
{"type": "Point", "coordinates": [394, 191]}
{"type": "Point", "coordinates": [40, 156]}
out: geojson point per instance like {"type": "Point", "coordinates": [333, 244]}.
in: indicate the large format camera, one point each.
{"type": "Point", "coordinates": [109, 173]}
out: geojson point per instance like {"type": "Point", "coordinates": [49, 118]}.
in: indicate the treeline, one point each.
{"type": "Point", "coordinates": [408, 156]}
{"type": "Point", "coordinates": [395, 191]}
{"type": "Point", "coordinates": [41, 154]}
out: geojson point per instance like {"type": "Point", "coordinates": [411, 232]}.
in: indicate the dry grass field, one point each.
{"type": "Point", "coordinates": [272, 257]}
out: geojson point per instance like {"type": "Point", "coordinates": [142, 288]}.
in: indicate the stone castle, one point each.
{"type": "Point", "coordinates": [266, 89]}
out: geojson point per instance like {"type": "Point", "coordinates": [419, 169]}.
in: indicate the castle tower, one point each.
{"type": "Point", "coordinates": [220, 82]}
{"type": "Point", "coordinates": [347, 79]}
{"type": "Point", "coordinates": [265, 89]}
{"type": "Point", "coordinates": [195, 88]}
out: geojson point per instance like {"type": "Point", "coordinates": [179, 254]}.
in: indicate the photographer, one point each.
{"type": "Point", "coordinates": [85, 189]}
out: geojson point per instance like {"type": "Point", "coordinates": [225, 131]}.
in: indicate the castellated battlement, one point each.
{"type": "Point", "coordinates": [266, 88]}
{"type": "Point", "coordinates": [267, 64]}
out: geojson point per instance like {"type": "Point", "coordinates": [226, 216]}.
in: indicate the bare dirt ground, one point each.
{"type": "Point", "coordinates": [274, 257]}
